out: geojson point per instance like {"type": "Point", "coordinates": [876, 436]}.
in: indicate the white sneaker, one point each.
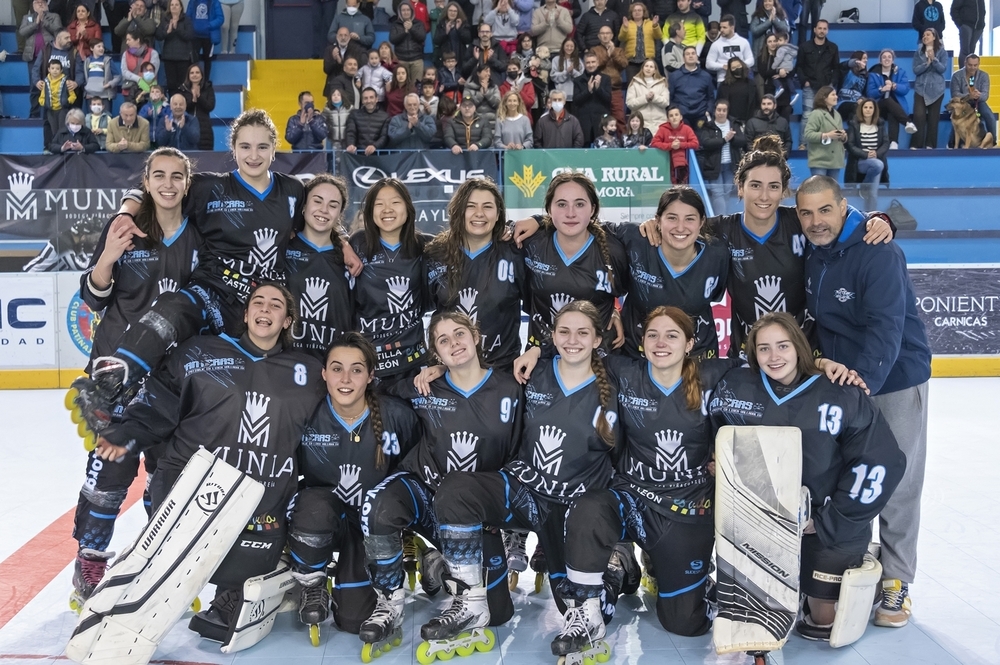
{"type": "Point", "coordinates": [893, 145]}
{"type": "Point", "coordinates": [910, 128]}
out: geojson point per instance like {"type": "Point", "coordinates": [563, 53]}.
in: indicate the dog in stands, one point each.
{"type": "Point", "coordinates": [966, 125]}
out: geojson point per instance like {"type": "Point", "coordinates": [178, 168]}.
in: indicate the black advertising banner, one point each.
{"type": "Point", "coordinates": [431, 176]}
{"type": "Point", "coordinates": [55, 206]}
{"type": "Point", "coordinates": [960, 307]}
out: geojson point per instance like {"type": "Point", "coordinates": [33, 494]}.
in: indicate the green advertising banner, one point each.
{"type": "Point", "coordinates": [629, 182]}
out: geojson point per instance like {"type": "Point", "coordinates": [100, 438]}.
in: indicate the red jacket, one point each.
{"type": "Point", "coordinates": [527, 95]}
{"type": "Point", "coordinates": [92, 30]}
{"type": "Point", "coordinates": [420, 14]}
{"type": "Point", "coordinates": [664, 140]}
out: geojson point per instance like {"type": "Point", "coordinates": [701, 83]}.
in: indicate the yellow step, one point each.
{"type": "Point", "coordinates": [275, 86]}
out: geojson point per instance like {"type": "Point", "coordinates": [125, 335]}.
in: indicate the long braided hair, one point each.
{"type": "Point", "coordinates": [355, 340]}
{"type": "Point", "coordinates": [594, 225]}
{"type": "Point", "coordinates": [605, 391]}
{"type": "Point", "coordinates": [690, 376]}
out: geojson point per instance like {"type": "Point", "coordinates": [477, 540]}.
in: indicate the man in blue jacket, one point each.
{"type": "Point", "coordinates": [865, 309]}
{"type": "Point", "coordinates": [692, 88]}
{"type": "Point", "coordinates": [208, 18]}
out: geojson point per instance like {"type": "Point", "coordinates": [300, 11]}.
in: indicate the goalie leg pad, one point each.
{"type": "Point", "coordinates": [854, 606]}
{"type": "Point", "coordinates": [262, 600]}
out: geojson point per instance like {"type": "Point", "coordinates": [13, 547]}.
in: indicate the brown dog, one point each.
{"type": "Point", "coordinates": [965, 123]}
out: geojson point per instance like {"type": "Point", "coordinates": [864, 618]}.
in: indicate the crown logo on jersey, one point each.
{"type": "Point", "coordinates": [314, 302]}
{"type": "Point", "coordinates": [467, 302]}
{"type": "Point", "coordinates": [769, 296]}
{"type": "Point", "coordinates": [255, 425]}
{"type": "Point", "coordinates": [462, 456]}
{"type": "Point", "coordinates": [399, 297]}
{"type": "Point", "coordinates": [167, 285]}
{"type": "Point", "coordinates": [548, 453]}
{"type": "Point", "coordinates": [559, 300]}
{"type": "Point", "coordinates": [527, 181]}
{"type": "Point", "coordinates": [669, 454]}
{"type": "Point", "coordinates": [265, 253]}
{"type": "Point", "coordinates": [348, 487]}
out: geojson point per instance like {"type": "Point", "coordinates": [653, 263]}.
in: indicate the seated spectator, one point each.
{"type": "Point", "coordinates": [447, 110]}
{"type": "Point", "coordinates": [139, 23]}
{"type": "Point", "coordinates": [128, 132]}
{"type": "Point", "coordinates": [551, 23]}
{"type": "Point", "coordinates": [558, 128]}
{"type": "Point", "coordinates": [101, 81]}
{"type": "Point", "coordinates": [147, 79]}
{"type": "Point", "coordinates": [768, 18]}
{"type": "Point", "coordinates": [178, 129]}
{"type": "Point", "coordinates": [519, 82]}
{"type": "Point", "coordinates": [38, 29]}
{"type": "Point", "coordinates": [694, 25]}
{"type": "Point", "coordinates": [359, 26]}
{"type": "Point", "coordinates": [672, 55]}
{"type": "Point", "coordinates": [593, 20]}
{"type": "Point", "coordinates": [513, 128]}
{"type": "Point", "coordinates": [306, 130]}
{"type": "Point", "coordinates": [373, 75]}
{"type": "Point", "coordinates": [854, 85]}
{"type": "Point", "coordinates": [930, 64]}
{"type": "Point", "coordinates": [888, 83]}
{"type": "Point", "coordinates": [739, 90]}
{"type": "Point", "coordinates": [721, 145]}
{"type": "Point", "coordinates": [767, 121]}
{"type": "Point", "coordinates": [636, 133]}
{"type": "Point", "coordinates": [649, 94]}
{"type": "Point", "coordinates": [200, 97]}
{"type": "Point", "coordinates": [486, 51]}
{"type": "Point", "coordinates": [336, 54]}
{"type": "Point", "coordinates": [83, 29]}
{"type": "Point", "coordinates": [154, 111]}
{"type": "Point", "coordinates": [468, 131]}
{"type": "Point", "coordinates": [454, 34]}
{"type": "Point", "coordinates": [349, 83]}
{"type": "Point", "coordinates": [399, 87]}
{"type": "Point", "coordinates": [975, 83]}
{"type": "Point", "coordinates": [55, 100]}
{"type": "Point", "coordinates": [609, 137]}
{"type": "Point", "coordinates": [729, 45]}
{"type": "Point", "coordinates": [367, 126]}
{"type": "Point", "coordinates": [428, 100]}
{"type": "Point", "coordinates": [97, 121]}
{"type": "Point", "coordinates": [503, 21]}
{"type": "Point", "coordinates": [592, 95]}
{"type": "Point", "coordinates": [484, 94]}
{"type": "Point", "coordinates": [335, 115]}
{"type": "Point", "coordinates": [207, 19]}
{"type": "Point", "coordinates": [411, 130]}
{"type": "Point", "coordinates": [176, 32]}
{"type": "Point", "coordinates": [60, 49]}
{"type": "Point", "coordinates": [691, 88]}
{"type": "Point", "coordinates": [136, 55]}
{"type": "Point", "coordinates": [678, 138]}
{"type": "Point", "coordinates": [75, 136]}
{"type": "Point", "coordinates": [387, 56]}
{"type": "Point", "coordinates": [566, 66]}
{"type": "Point", "coordinates": [867, 152]}
{"type": "Point", "coordinates": [611, 61]}
{"type": "Point", "coordinates": [638, 37]}
{"type": "Point", "coordinates": [824, 135]}
{"type": "Point", "coordinates": [408, 35]}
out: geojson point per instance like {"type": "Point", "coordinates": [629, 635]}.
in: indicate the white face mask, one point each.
{"type": "Point", "coordinates": [75, 128]}
{"type": "Point", "coordinates": [97, 109]}
{"type": "Point", "coordinates": [351, 11]}
{"type": "Point", "coordinates": [558, 107]}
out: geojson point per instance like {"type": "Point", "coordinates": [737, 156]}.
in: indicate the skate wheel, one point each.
{"type": "Point", "coordinates": [447, 654]}
{"type": "Point", "coordinates": [512, 580]}
{"type": "Point", "coordinates": [70, 402]}
{"type": "Point", "coordinates": [411, 580]}
{"type": "Point", "coordinates": [89, 442]}
{"type": "Point", "coordinates": [589, 660]}
{"type": "Point", "coordinates": [75, 416]}
{"type": "Point", "coordinates": [424, 655]}
{"type": "Point", "coordinates": [561, 661]}
{"type": "Point", "coordinates": [539, 581]}
{"type": "Point", "coordinates": [314, 635]}
{"type": "Point", "coordinates": [196, 605]}
{"type": "Point", "coordinates": [489, 643]}
{"type": "Point", "coordinates": [604, 655]}
{"type": "Point", "coordinates": [75, 605]}
{"type": "Point", "coordinates": [396, 641]}
{"type": "Point", "coordinates": [466, 650]}
{"type": "Point", "coordinates": [82, 430]}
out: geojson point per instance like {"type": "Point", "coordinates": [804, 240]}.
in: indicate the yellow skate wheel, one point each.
{"type": "Point", "coordinates": [70, 400]}
{"type": "Point", "coordinates": [82, 430]}
{"type": "Point", "coordinates": [539, 580]}
{"type": "Point", "coordinates": [366, 653]}
{"type": "Point", "coordinates": [424, 656]}
{"type": "Point", "coordinates": [490, 642]}
{"type": "Point", "coordinates": [411, 579]}
{"type": "Point", "coordinates": [447, 654]}
{"type": "Point", "coordinates": [603, 657]}
{"type": "Point", "coordinates": [588, 660]}
{"type": "Point", "coordinates": [196, 605]}
{"type": "Point", "coordinates": [512, 580]}
{"type": "Point", "coordinates": [75, 416]}
{"type": "Point", "coordinates": [89, 442]}
{"type": "Point", "coordinates": [466, 651]}
{"type": "Point", "coordinates": [314, 635]}
{"type": "Point", "coordinates": [75, 605]}
{"type": "Point", "coordinates": [396, 641]}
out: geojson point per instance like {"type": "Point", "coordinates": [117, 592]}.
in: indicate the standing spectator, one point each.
{"type": "Point", "coordinates": [738, 10]}
{"type": "Point", "coordinates": [888, 83]}
{"type": "Point", "coordinates": [768, 18]}
{"type": "Point", "coordinates": [399, 87]}
{"type": "Point", "coordinates": [526, 12]}
{"type": "Point", "coordinates": [486, 51]}
{"type": "Point", "coordinates": [592, 97]}
{"type": "Point", "coordinates": [513, 129]}
{"type": "Point", "coordinates": [37, 30]}
{"type": "Point", "coordinates": [306, 130]}
{"type": "Point", "coordinates": [929, 65]}
{"type": "Point", "coordinates": [785, 56]}
{"type": "Point", "coordinates": [928, 14]}
{"type": "Point", "coordinates": [97, 121]}
{"type": "Point", "coordinates": [678, 138]}
{"type": "Point", "coordinates": [970, 18]}
{"type": "Point", "coordinates": [550, 25]}
{"type": "Point", "coordinates": [387, 56]}
{"type": "Point", "coordinates": [611, 61]}
{"type": "Point", "coordinates": [336, 53]}
{"type": "Point", "coordinates": [176, 32]}
{"type": "Point", "coordinates": [453, 33]}
{"type": "Point", "coordinates": [975, 83]}
{"type": "Point", "coordinates": [411, 130]}
{"type": "Point", "coordinates": [73, 71]}
{"type": "Point", "coordinates": [139, 22]}
{"type": "Point", "coordinates": [703, 7]}
{"type": "Point", "coordinates": [368, 126]}
{"type": "Point", "coordinates": [740, 92]}
{"type": "Point", "coordinates": [504, 20]}
{"type": "Point", "coordinates": [207, 17]}
{"type": "Point", "coordinates": [449, 79]}
{"type": "Point", "coordinates": [818, 64]}
{"type": "Point", "coordinates": [649, 94]}
{"type": "Point", "coordinates": [867, 149]}
{"type": "Point", "coordinates": [694, 25]}
{"type": "Point", "coordinates": [199, 96]}
{"type": "Point", "coordinates": [428, 100]}
{"type": "Point", "coordinates": [74, 137]}
{"type": "Point", "coordinates": [115, 11]}
{"type": "Point", "coordinates": [566, 66]}
{"type": "Point", "coordinates": [358, 25]}
{"type": "Point", "coordinates": [373, 75]}
{"type": "Point", "coordinates": [728, 45]}
{"type": "Point", "coordinates": [636, 134]}
{"type": "Point", "coordinates": [811, 10]}
{"type": "Point", "coordinates": [468, 132]}
{"type": "Point", "coordinates": [323, 14]}
{"type": "Point", "coordinates": [55, 100]}
{"type": "Point", "coordinates": [232, 12]}
{"type": "Point", "coordinates": [638, 37]}
{"type": "Point", "coordinates": [128, 132]}
{"type": "Point", "coordinates": [721, 145]}
{"type": "Point", "coordinates": [178, 128]}
{"type": "Point", "coordinates": [475, 9]}
{"type": "Point", "coordinates": [22, 10]}
{"type": "Point", "coordinates": [608, 137]}
{"type": "Point", "coordinates": [101, 81]}
{"type": "Point", "coordinates": [592, 21]}
{"type": "Point", "coordinates": [408, 36]}
{"type": "Point", "coordinates": [335, 115]}
{"type": "Point", "coordinates": [483, 92]}
{"type": "Point", "coordinates": [855, 85]}
{"type": "Point", "coordinates": [82, 30]}
{"type": "Point", "coordinates": [767, 121]}
{"type": "Point", "coordinates": [692, 88]}
{"type": "Point", "coordinates": [712, 35]}
{"type": "Point", "coordinates": [154, 111]}
{"type": "Point", "coordinates": [558, 128]}
{"type": "Point", "coordinates": [825, 136]}
{"type": "Point", "coordinates": [348, 83]}
{"type": "Point", "coordinates": [524, 49]}
{"type": "Point", "coordinates": [673, 49]}
{"type": "Point", "coordinates": [516, 81]}
{"type": "Point", "coordinates": [137, 55]}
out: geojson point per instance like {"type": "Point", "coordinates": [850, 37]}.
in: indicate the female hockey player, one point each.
{"type": "Point", "coordinates": [317, 276]}
{"type": "Point", "coordinates": [125, 275]}
{"type": "Point", "coordinates": [569, 437]}
{"type": "Point", "coordinates": [246, 400]}
{"type": "Point", "coordinates": [850, 460]}
{"type": "Point", "coordinates": [354, 439]}
{"type": "Point", "coordinates": [471, 422]}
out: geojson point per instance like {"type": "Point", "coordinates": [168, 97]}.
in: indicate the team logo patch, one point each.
{"type": "Point", "coordinates": [81, 322]}
{"type": "Point", "coordinates": [548, 453]}
{"type": "Point", "coordinates": [843, 295]}
{"type": "Point", "coordinates": [255, 424]}
{"type": "Point", "coordinates": [349, 487]}
{"type": "Point", "coordinates": [399, 297]}
{"type": "Point", "coordinates": [462, 456]}
{"type": "Point", "coordinates": [770, 297]}
{"type": "Point", "coordinates": [669, 454]}
{"type": "Point", "coordinates": [210, 497]}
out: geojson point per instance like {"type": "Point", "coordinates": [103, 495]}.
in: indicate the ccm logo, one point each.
{"type": "Point", "coordinates": [254, 545]}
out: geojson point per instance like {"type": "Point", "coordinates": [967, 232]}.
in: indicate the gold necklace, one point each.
{"type": "Point", "coordinates": [355, 431]}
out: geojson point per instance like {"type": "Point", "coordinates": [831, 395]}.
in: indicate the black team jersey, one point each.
{"type": "Point", "coordinates": [478, 430]}
{"type": "Point", "coordinates": [390, 298]}
{"type": "Point", "coordinates": [225, 395]}
{"type": "Point", "coordinates": [767, 274]}
{"type": "Point", "coordinates": [654, 283]}
{"type": "Point", "coordinates": [343, 457]}
{"type": "Point", "coordinates": [556, 280]}
{"type": "Point", "coordinates": [493, 291]}
{"type": "Point", "coordinates": [562, 455]}
{"type": "Point", "coordinates": [246, 232]}
{"type": "Point", "coordinates": [140, 276]}
{"type": "Point", "coordinates": [324, 290]}
{"type": "Point", "coordinates": [850, 460]}
{"type": "Point", "coordinates": [668, 446]}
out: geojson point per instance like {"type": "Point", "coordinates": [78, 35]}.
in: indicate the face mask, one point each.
{"type": "Point", "coordinates": [97, 109]}
{"type": "Point", "coordinates": [737, 73]}
{"type": "Point", "coordinates": [558, 107]}
{"type": "Point", "coordinates": [337, 105]}
{"type": "Point", "coordinates": [148, 76]}
{"type": "Point", "coordinates": [512, 75]}
{"type": "Point", "coordinates": [75, 128]}
{"type": "Point", "coordinates": [351, 11]}
{"type": "Point", "coordinates": [135, 50]}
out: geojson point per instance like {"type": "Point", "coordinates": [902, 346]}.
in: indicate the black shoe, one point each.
{"type": "Point", "coordinates": [213, 623]}
{"type": "Point", "coordinates": [812, 632]}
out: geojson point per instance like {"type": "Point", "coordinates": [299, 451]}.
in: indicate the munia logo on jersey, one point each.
{"type": "Point", "coordinates": [669, 454]}
{"type": "Point", "coordinates": [462, 456]}
{"type": "Point", "coordinates": [548, 454]}
{"type": "Point", "coordinates": [467, 303]}
{"type": "Point", "coordinates": [167, 285]}
{"type": "Point", "coordinates": [558, 300]}
{"type": "Point", "coordinates": [770, 297]}
{"type": "Point", "coordinates": [265, 254]}
{"type": "Point", "coordinates": [315, 299]}
{"type": "Point", "coordinates": [348, 488]}
{"type": "Point", "coordinates": [255, 424]}
{"type": "Point", "coordinates": [398, 297]}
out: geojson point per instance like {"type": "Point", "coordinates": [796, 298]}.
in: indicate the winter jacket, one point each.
{"type": "Point", "coordinates": [516, 131]}
{"type": "Point", "coordinates": [761, 124]}
{"type": "Point", "coordinates": [202, 109]}
{"type": "Point", "coordinates": [525, 11]}
{"type": "Point", "coordinates": [960, 84]}
{"type": "Point", "coordinates": [30, 26]}
{"type": "Point", "coordinates": [527, 93]}
{"type": "Point", "coordinates": [672, 56]}
{"type": "Point", "coordinates": [664, 140]}
{"type": "Point", "coordinates": [207, 19]}
{"type": "Point", "coordinates": [177, 42]}
{"type": "Point", "coordinates": [375, 78]}
{"type": "Point", "coordinates": [866, 310]}
{"type": "Point", "coordinates": [818, 64]}
{"type": "Point", "coordinates": [627, 36]}
{"type": "Point", "coordinates": [565, 132]}
{"type": "Point", "coordinates": [823, 156]}
{"type": "Point", "coordinates": [722, 50]}
{"type": "Point", "coordinates": [409, 44]}
{"type": "Point", "coordinates": [929, 81]}
{"type": "Point", "coordinates": [561, 76]}
{"type": "Point", "coordinates": [711, 141]}
{"type": "Point", "coordinates": [365, 129]}
{"type": "Point", "coordinates": [692, 91]}
{"type": "Point", "coordinates": [928, 14]}
{"type": "Point", "coordinates": [589, 103]}
{"type": "Point", "coordinates": [336, 125]}
{"type": "Point", "coordinates": [73, 68]}
{"type": "Point", "coordinates": [654, 111]}
{"type": "Point", "coordinates": [138, 135]}
{"type": "Point", "coordinates": [309, 136]}
{"type": "Point", "coordinates": [458, 41]}
{"type": "Point", "coordinates": [55, 94]}
{"type": "Point", "coordinates": [738, 9]}
{"type": "Point", "coordinates": [84, 136]}
{"type": "Point", "coordinates": [762, 26]}
{"type": "Point", "coordinates": [856, 153]}
{"type": "Point", "coordinates": [403, 137]}
{"type": "Point", "coordinates": [102, 123]}
{"type": "Point", "coordinates": [785, 57]}
{"type": "Point", "coordinates": [694, 28]}
{"type": "Point", "coordinates": [855, 85]}
{"type": "Point", "coordinates": [898, 76]}
{"type": "Point", "coordinates": [644, 137]}
{"type": "Point", "coordinates": [504, 25]}
{"type": "Point", "coordinates": [144, 25]}
{"type": "Point", "coordinates": [495, 57]}
{"type": "Point", "coordinates": [487, 101]}
{"type": "Point", "coordinates": [742, 96]}
{"type": "Point", "coordinates": [92, 30]}
{"type": "Point", "coordinates": [99, 72]}
{"type": "Point", "coordinates": [590, 25]}
{"type": "Point", "coordinates": [969, 12]}
{"type": "Point", "coordinates": [154, 117]}
{"type": "Point", "coordinates": [359, 24]}
{"type": "Point", "coordinates": [182, 138]}
{"type": "Point", "coordinates": [479, 132]}
{"type": "Point", "coordinates": [551, 33]}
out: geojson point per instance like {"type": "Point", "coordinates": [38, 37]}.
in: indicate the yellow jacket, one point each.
{"type": "Point", "coordinates": [650, 34]}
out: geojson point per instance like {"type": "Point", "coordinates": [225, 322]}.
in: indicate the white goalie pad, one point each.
{"type": "Point", "coordinates": [148, 588]}
{"type": "Point", "coordinates": [262, 601]}
{"type": "Point", "coordinates": [854, 605]}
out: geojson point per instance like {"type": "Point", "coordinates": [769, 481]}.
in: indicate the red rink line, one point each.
{"type": "Point", "coordinates": [24, 656]}
{"type": "Point", "coordinates": [29, 570]}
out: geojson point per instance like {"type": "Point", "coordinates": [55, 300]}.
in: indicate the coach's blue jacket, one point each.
{"type": "Point", "coordinates": [866, 310]}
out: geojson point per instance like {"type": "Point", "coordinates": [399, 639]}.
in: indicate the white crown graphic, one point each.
{"type": "Point", "coordinates": [550, 437]}
{"type": "Point", "coordinates": [20, 184]}
{"type": "Point", "coordinates": [167, 285]}
{"type": "Point", "coordinates": [398, 285]}
{"type": "Point", "coordinates": [256, 406]}
{"type": "Point", "coordinates": [560, 300]}
{"type": "Point", "coordinates": [464, 443]}
{"type": "Point", "coordinates": [265, 239]}
{"type": "Point", "coordinates": [768, 287]}
{"type": "Point", "coordinates": [316, 288]}
{"type": "Point", "coordinates": [669, 440]}
{"type": "Point", "coordinates": [467, 299]}
{"type": "Point", "coordinates": [349, 474]}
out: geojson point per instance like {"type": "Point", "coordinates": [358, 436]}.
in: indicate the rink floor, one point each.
{"type": "Point", "coordinates": [956, 609]}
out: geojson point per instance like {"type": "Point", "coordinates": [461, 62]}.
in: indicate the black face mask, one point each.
{"type": "Point", "coordinates": [512, 76]}
{"type": "Point", "coordinates": [737, 73]}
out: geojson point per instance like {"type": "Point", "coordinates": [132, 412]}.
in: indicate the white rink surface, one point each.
{"type": "Point", "coordinates": [956, 608]}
